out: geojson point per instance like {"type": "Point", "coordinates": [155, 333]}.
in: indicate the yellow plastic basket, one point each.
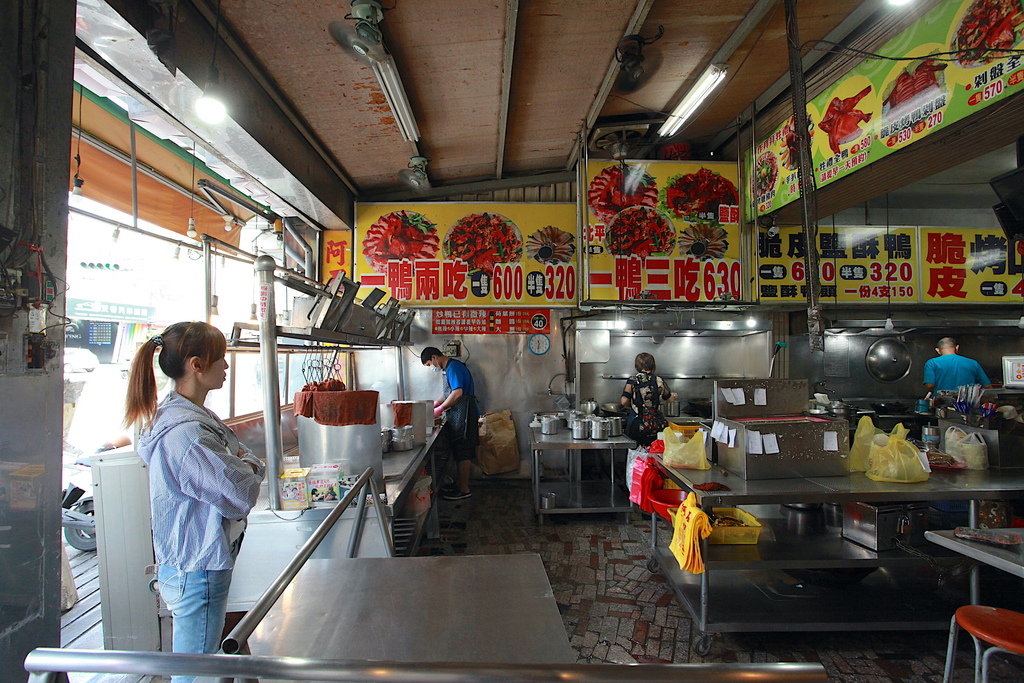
{"type": "Point", "coordinates": [686, 431]}
{"type": "Point", "coordinates": [736, 535]}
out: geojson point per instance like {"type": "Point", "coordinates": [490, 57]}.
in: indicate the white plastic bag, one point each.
{"type": "Point", "coordinates": [968, 447]}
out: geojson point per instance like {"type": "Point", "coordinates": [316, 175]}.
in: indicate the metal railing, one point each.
{"type": "Point", "coordinates": [45, 664]}
{"type": "Point", "coordinates": [236, 640]}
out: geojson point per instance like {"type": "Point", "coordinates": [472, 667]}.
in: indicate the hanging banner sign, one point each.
{"type": "Point", "coordinates": [666, 230]}
{"type": "Point", "coordinates": [899, 265]}
{"type": "Point", "coordinates": [468, 254]}
{"type": "Point", "coordinates": [337, 253]}
{"type": "Point", "coordinates": [861, 264]}
{"type": "Point", "coordinates": [881, 106]}
{"type": "Point", "coordinates": [491, 321]}
{"type": "Point", "coordinates": [970, 266]}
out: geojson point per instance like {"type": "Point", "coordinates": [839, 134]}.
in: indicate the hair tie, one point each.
{"type": "Point", "coordinates": [158, 340]}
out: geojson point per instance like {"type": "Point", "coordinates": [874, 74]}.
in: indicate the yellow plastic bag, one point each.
{"type": "Point", "coordinates": [688, 455]}
{"type": "Point", "coordinates": [896, 461]}
{"type": "Point", "coordinates": [863, 439]}
{"type": "Point", "coordinates": [691, 524]}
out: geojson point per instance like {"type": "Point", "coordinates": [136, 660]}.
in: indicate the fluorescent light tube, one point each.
{"type": "Point", "coordinates": [394, 92]}
{"type": "Point", "coordinates": [691, 102]}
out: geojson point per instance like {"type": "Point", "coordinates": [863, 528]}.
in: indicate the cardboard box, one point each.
{"type": "Point", "coordinates": [322, 482]}
{"type": "Point", "coordinates": [294, 493]}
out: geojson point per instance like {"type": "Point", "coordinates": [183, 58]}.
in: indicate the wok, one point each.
{"type": "Point", "coordinates": [700, 407]}
{"type": "Point", "coordinates": [889, 407]}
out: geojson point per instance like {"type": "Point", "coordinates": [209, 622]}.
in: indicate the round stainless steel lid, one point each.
{"type": "Point", "coordinates": [887, 360]}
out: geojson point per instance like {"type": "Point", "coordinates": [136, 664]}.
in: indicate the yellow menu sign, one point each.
{"type": "Point", "coordinates": [665, 230]}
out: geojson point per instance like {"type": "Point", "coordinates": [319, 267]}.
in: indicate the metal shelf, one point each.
{"type": "Point", "coordinates": [779, 548]}
{"type": "Point", "coordinates": [889, 599]}
{"type": "Point", "coordinates": [315, 335]}
{"type": "Point", "coordinates": [584, 496]}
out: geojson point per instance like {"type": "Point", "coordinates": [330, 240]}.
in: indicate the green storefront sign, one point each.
{"type": "Point", "coordinates": [955, 60]}
{"type": "Point", "coordinates": [109, 310]}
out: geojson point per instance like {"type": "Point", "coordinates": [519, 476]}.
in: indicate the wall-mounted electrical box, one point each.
{"type": "Point", "coordinates": [452, 349]}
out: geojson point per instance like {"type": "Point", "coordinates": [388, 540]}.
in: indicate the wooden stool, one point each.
{"type": "Point", "coordinates": [1002, 628]}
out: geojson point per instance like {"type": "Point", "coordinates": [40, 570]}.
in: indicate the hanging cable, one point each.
{"type": "Point", "coordinates": [888, 258]}
{"type": "Point", "coordinates": [78, 182]}
{"type": "Point", "coordinates": [192, 197]}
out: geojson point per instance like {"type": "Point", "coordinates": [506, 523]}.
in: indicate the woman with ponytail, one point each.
{"type": "Point", "coordinates": [202, 481]}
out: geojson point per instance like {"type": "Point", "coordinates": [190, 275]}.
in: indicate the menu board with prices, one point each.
{"type": "Point", "coordinates": [898, 265]}
{"type": "Point", "coordinates": [337, 253]}
{"type": "Point", "coordinates": [491, 321]}
{"type": "Point", "coordinates": [860, 264]}
{"type": "Point", "coordinates": [469, 254]}
{"type": "Point", "coordinates": [663, 230]}
{"type": "Point", "coordinates": [971, 266]}
{"type": "Point", "coordinates": [881, 106]}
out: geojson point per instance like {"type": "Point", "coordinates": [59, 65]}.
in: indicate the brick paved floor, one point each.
{"type": "Point", "coordinates": [614, 610]}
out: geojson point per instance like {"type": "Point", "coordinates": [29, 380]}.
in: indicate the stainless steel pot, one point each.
{"type": "Point", "coordinates": [843, 411]}
{"type": "Point", "coordinates": [670, 409]}
{"type": "Point", "coordinates": [580, 429]}
{"type": "Point", "coordinates": [614, 426]}
{"type": "Point", "coordinates": [588, 407]}
{"type": "Point", "coordinates": [402, 438]}
{"type": "Point", "coordinates": [600, 428]}
{"type": "Point", "coordinates": [549, 424]}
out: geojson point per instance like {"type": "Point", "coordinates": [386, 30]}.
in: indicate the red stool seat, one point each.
{"type": "Point", "coordinates": [1000, 627]}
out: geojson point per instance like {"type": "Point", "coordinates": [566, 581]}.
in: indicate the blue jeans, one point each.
{"type": "Point", "coordinates": [198, 602]}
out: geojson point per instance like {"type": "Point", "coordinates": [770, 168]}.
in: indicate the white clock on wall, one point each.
{"type": "Point", "coordinates": [539, 344]}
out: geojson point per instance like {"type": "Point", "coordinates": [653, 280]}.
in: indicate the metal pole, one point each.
{"type": "Point", "coordinates": [357, 528]}
{"type": "Point", "coordinates": [382, 518]}
{"type": "Point", "coordinates": [240, 634]}
{"type": "Point", "coordinates": [308, 262]}
{"type": "Point", "coordinates": [805, 170]}
{"type": "Point", "coordinates": [400, 364]}
{"type": "Point", "coordinates": [208, 279]}
{"type": "Point", "coordinates": [267, 316]}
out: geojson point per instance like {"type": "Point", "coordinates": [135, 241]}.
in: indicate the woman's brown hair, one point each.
{"type": "Point", "coordinates": [177, 344]}
{"type": "Point", "coordinates": [644, 362]}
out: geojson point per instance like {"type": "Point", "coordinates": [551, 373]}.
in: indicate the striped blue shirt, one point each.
{"type": "Point", "coordinates": [197, 484]}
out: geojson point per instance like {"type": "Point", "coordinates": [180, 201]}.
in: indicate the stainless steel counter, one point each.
{"type": "Point", "coordinates": [1009, 560]}
{"type": "Point", "coordinates": [493, 608]}
{"type": "Point", "coordinates": [855, 487]}
{"type": "Point", "coordinates": [573, 494]}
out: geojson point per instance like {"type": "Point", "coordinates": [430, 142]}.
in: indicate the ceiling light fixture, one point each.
{"type": "Point", "coordinates": [391, 83]}
{"type": "Point", "coordinates": [416, 175]}
{"type": "Point", "coordinates": [692, 101]}
{"type": "Point", "coordinates": [900, 3]}
{"type": "Point", "coordinates": [210, 107]}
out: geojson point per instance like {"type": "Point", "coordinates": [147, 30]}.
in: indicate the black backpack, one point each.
{"type": "Point", "coordinates": [649, 420]}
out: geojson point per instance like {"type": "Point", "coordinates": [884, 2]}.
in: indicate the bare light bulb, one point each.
{"type": "Point", "coordinates": [115, 234]}
{"type": "Point", "coordinates": [177, 252]}
{"type": "Point", "coordinates": [888, 323]}
{"type": "Point", "coordinates": [191, 232]}
{"type": "Point", "coordinates": [1020, 323]}
{"type": "Point", "coordinates": [78, 182]}
{"type": "Point", "coordinates": [751, 321]}
{"type": "Point", "coordinates": [210, 109]}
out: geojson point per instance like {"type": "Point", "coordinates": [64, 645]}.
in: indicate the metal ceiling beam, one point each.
{"type": "Point", "coordinates": [854, 20]}
{"type": "Point", "coordinates": [257, 105]}
{"type": "Point", "coordinates": [469, 188]}
{"type": "Point", "coordinates": [636, 22]}
{"type": "Point", "coordinates": [511, 20]}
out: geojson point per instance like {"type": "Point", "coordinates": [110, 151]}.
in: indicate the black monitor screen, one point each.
{"type": "Point", "coordinates": [1012, 227]}
{"type": "Point", "coordinates": [1010, 189]}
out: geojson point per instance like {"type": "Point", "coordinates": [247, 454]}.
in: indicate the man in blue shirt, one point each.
{"type": "Point", "coordinates": [462, 415]}
{"type": "Point", "coordinates": [949, 371]}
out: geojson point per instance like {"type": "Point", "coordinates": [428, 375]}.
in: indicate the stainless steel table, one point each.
{"type": "Point", "coordinates": [1009, 560]}
{"type": "Point", "coordinates": [574, 495]}
{"type": "Point", "coordinates": [742, 591]}
{"type": "Point", "coordinates": [488, 608]}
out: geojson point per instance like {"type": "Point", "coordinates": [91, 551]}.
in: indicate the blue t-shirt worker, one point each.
{"type": "Point", "coordinates": [949, 370]}
{"type": "Point", "coordinates": [461, 416]}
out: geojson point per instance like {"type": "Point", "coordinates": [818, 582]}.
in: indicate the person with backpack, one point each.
{"type": "Point", "coordinates": [643, 395]}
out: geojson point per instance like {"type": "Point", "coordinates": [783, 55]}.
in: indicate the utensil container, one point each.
{"type": "Point", "coordinates": [600, 429]}
{"type": "Point", "coordinates": [547, 501]}
{"type": "Point", "coordinates": [402, 438]}
{"type": "Point", "coordinates": [580, 429]}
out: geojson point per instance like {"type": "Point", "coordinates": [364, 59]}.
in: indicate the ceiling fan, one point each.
{"type": "Point", "coordinates": [416, 175]}
{"type": "Point", "coordinates": [620, 142]}
{"type": "Point", "coordinates": [363, 39]}
{"type": "Point", "coordinates": [635, 67]}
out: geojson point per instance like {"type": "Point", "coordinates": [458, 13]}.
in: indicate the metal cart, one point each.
{"type": "Point", "coordinates": [742, 590]}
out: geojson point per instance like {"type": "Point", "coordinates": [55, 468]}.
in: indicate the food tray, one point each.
{"type": "Point", "coordinates": [735, 535]}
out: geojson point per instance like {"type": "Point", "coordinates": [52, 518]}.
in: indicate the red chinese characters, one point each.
{"type": "Point", "coordinates": [947, 250]}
